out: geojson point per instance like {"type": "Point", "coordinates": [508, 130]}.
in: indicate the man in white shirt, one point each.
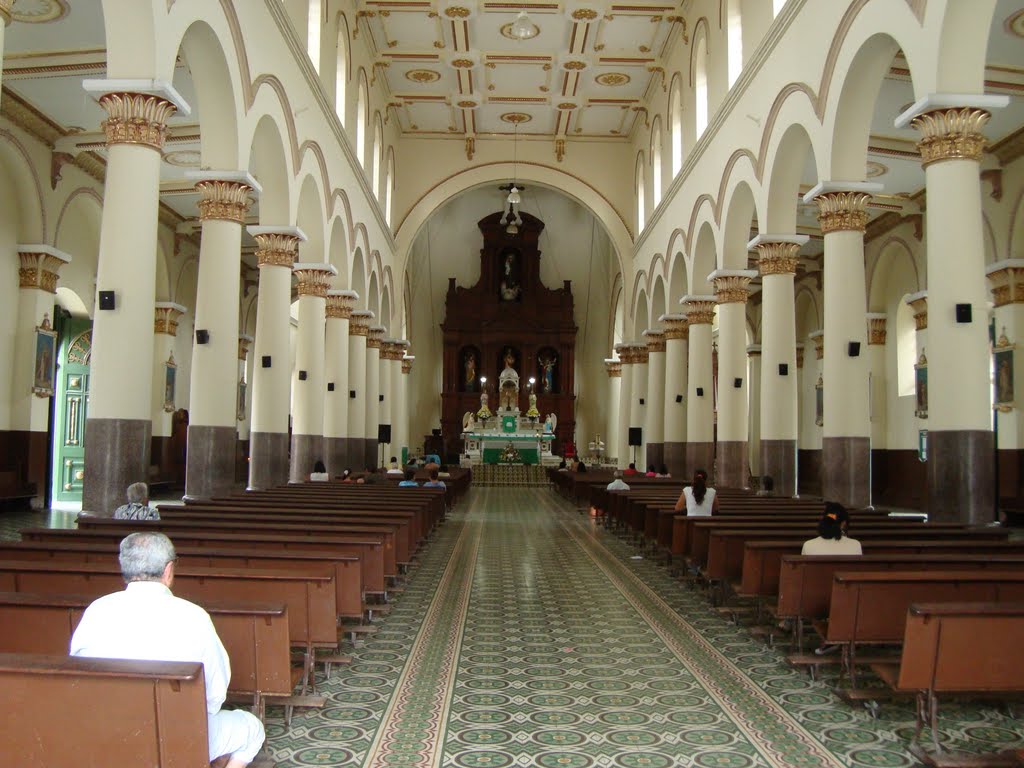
{"type": "Point", "coordinates": [618, 484]}
{"type": "Point", "coordinates": [147, 622]}
{"type": "Point", "coordinates": [137, 507]}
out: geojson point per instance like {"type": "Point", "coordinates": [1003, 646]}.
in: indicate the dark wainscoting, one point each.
{"type": "Point", "coordinates": [23, 465]}
{"type": "Point", "coordinates": [808, 472]}
{"type": "Point", "coordinates": [898, 479]}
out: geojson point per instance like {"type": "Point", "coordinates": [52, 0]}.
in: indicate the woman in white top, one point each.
{"type": "Point", "coordinates": [697, 499]}
{"type": "Point", "coordinates": [832, 538]}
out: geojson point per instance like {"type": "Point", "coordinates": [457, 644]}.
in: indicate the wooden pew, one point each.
{"type": "Point", "coordinates": [63, 711]}
{"type": "Point", "coordinates": [957, 648]}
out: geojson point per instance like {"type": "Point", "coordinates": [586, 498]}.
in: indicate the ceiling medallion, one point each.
{"type": "Point", "coordinates": [422, 75]}
{"type": "Point", "coordinates": [584, 14]}
{"type": "Point", "coordinates": [568, 105]}
{"type": "Point", "coordinates": [506, 31]}
{"type": "Point", "coordinates": [462, 63]}
{"type": "Point", "coordinates": [516, 117]}
{"type": "Point", "coordinates": [39, 11]}
{"type": "Point", "coordinates": [183, 158]}
{"type": "Point", "coordinates": [1015, 24]}
{"type": "Point", "coordinates": [612, 79]}
{"type": "Point", "coordinates": [874, 169]}
{"type": "Point", "coordinates": [467, 104]}
{"type": "Point", "coordinates": [457, 12]}
{"type": "Point", "coordinates": [575, 66]}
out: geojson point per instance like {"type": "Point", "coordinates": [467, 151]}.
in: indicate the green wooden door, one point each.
{"type": "Point", "coordinates": [71, 405]}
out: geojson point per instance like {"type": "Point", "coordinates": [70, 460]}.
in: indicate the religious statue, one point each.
{"type": "Point", "coordinates": [510, 287]}
{"type": "Point", "coordinates": [547, 365]}
{"type": "Point", "coordinates": [533, 413]}
{"type": "Point", "coordinates": [470, 369]}
{"type": "Point", "coordinates": [484, 413]}
{"type": "Point", "coordinates": [508, 383]}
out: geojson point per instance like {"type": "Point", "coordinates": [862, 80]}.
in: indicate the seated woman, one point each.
{"type": "Point", "coordinates": [697, 499]}
{"type": "Point", "coordinates": [409, 481]}
{"type": "Point", "coordinates": [832, 538]}
{"type": "Point", "coordinates": [319, 473]}
{"type": "Point", "coordinates": [346, 475]}
{"type": "Point", "coordinates": [650, 471]}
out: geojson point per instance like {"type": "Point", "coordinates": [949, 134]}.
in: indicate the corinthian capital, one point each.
{"type": "Point", "coordinates": [731, 284]}
{"type": "Point", "coordinates": [340, 304]}
{"type": "Point", "coordinates": [700, 310]}
{"type": "Point", "coordinates": [39, 266]}
{"type": "Point", "coordinates": [226, 195]}
{"type": "Point", "coordinates": [314, 277]}
{"type": "Point", "coordinates": [276, 246]}
{"type": "Point", "coordinates": [950, 124]}
{"type": "Point", "coordinates": [777, 254]}
{"type": "Point", "coordinates": [842, 205]}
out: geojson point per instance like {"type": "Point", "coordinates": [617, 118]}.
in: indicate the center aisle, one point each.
{"type": "Point", "coordinates": [528, 637]}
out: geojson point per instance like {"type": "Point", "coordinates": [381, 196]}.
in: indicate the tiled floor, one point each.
{"type": "Point", "coordinates": [529, 637]}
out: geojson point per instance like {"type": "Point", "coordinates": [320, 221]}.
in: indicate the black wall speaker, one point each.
{"type": "Point", "coordinates": [202, 336]}
{"type": "Point", "coordinates": [641, 401]}
{"type": "Point", "coordinates": [853, 349]}
{"type": "Point", "coordinates": [107, 300]}
{"type": "Point", "coordinates": [383, 433]}
{"type": "Point", "coordinates": [783, 369]}
{"type": "Point", "coordinates": [352, 394]}
{"type": "Point", "coordinates": [636, 435]}
{"type": "Point", "coordinates": [963, 313]}
{"type": "Point", "coordinates": [265, 361]}
{"type": "Point", "coordinates": [380, 398]}
{"type": "Point", "coordinates": [700, 391]}
{"type": "Point", "coordinates": [679, 398]}
{"type": "Point", "coordinates": [435, 432]}
{"type": "Point", "coordinates": [737, 383]}
{"type": "Point", "coordinates": [302, 375]}
{"type": "Point", "coordinates": [330, 386]}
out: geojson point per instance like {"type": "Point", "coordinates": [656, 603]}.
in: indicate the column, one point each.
{"type": "Point", "coordinates": [34, 371]}
{"type": "Point", "coordinates": [213, 406]}
{"type": "Point", "coordinates": [1007, 281]}
{"type": "Point", "coordinates": [777, 262]}
{"type": "Point", "coordinates": [387, 356]}
{"type": "Point", "coordinates": [5, 19]}
{"type": "Point", "coordinates": [611, 440]}
{"type": "Point", "coordinates": [308, 383]}
{"type": "Point", "coordinates": [271, 377]}
{"type": "Point", "coordinates": [638, 404]}
{"type": "Point", "coordinates": [918, 302]}
{"type": "Point", "coordinates": [374, 335]}
{"type": "Point", "coordinates": [810, 475]}
{"type": "Point", "coordinates": [732, 468]}
{"type": "Point", "coordinates": [960, 443]}
{"type": "Point", "coordinates": [654, 426]}
{"type": "Point", "coordinates": [399, 411]}
{"type": "Point", "coordinates": [336, 362]}
{"type": "Point", "coordinates": [877, 377]}
{"type": "Point", "coordinates": [625, 352]}
{"type": "Point", "coordinates": [244, 411]}
{"type": "Point", "coordinates": [700, 414]}
{"type": "Point", "coordinates": [677, 343]}
{"type": "Point", "coordinates": [119, 425]}
{"type": "Point", "coordinates": [407, 361]}
{"type": "Point", "coordinates": [754, 404]}
{"type": "Point", "coordinates": [846, 440]}
{"type": "Point", "coordinates": [165, 329]}
{"type": "Point", "coordinates": [359, 325]}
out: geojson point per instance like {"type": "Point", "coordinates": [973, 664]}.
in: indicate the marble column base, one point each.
{"type": "Point", "coordinates": [335, 455]}
{"type": "Point", "coordinates": [210, 461]}
{"type": "Point", "coordinates": [846, 470]}
{"type": "Point", "coordinates": [700, 456]}
{"type": "Point", "coordinates": [732, 468]}
{"type": "Point", "coordinates": [307, 450]}
{"type": "Point", "coordinates": [656, 455]}
{"type": "Point", "coordinates": [674, 456]}
{"type": "Point", "coordinates": [371, 452]}
{"type": "Point", "coordinates": [268, 460]}
{"type": "Point", "coordinates": [116, 455]}
{"type": "Point", "coordinates": [960, 476]}
{"type": "Point", "coordinates": [778, 461]}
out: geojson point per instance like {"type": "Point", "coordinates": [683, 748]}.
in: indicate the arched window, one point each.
{"type": "Point", "coordinates": [656, 161]}
{"type": "Point", "coordinates": [906, 349]}
{"type": "Point", "coordinates": [641, 184]}
{"type": "Point", "coordinates": [341, 74]}
{"type": "Point", "coordinates": [378, 157]}
{"type": "Point", "coordinates": [676, 116]}
{"type": "Point", "coordinates": [389, 187]}
{"type": "Point", "coordinates": [700, 85]}
{"type": "Point", "coordinates": [362, 100]}
{"type": "Point", "coordinates": [313, 30]}
{"type": "Point", "coordinates": [735, 40]}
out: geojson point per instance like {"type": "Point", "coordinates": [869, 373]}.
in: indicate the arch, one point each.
{"type": "Point", "coordinates": [389, 186]}
{"type": "Point", "coordinates": [310, 220]}
{"type": "Point", "coordinates": [337, 250]}
{"type": "Point", "coordinates": [314, 29]}
{"type": "Point", "coordinates": [641, 193]}
{"type": "Point", "coordinates": [739, 220]}
{"type": "Point", "coordinates": [658, 302]}
{"type": "Point", "coordinates": [77, 232]}
{"type": "Point", "coordinates": [656, 160]}
{"type": "Point", "coordinates": [268, 162]}
{"type": "Point", "coordinates": [378, 157]}
{"type": "Point", "coordinates": [703, 261]}
{"type": "Point", "coordinates": [808, 311]}
{"type": "Point", "coordinates": [617, 319]}
{"type": "Point", "coordinates": [641, 314]}
{"type": "Point", "coordinates": [71, 301]}
{"type": "Point", "coordinates": [344, 67]}
{"type": "Point", "coordinates": [895, 260]}
{"type": "Point", "coordinates": [373, 297]}
{"type": "Point", "coordinates": [906, 349]}
{"type": "Point", "coordinates": [362, 116]}
{"type": "Point", "coordinates": [130, 30]}
{"type": "Point", "coordinates": [699, 53]}
{"type": "Point", "coordinates": [357, 282]}
{"type": "Point", "coordinates": [1014, 250]}
{"type": "Point", "coordinates": [734, 40]}
{"type": "Point", "coordinates": [787, 170]}
{"type": "Point", "coordinates": [675, 111]}
{"type": "Point", "coordinates": [964, 43]}
{"type": "Point", "coordinates": [385, 310]}
{"type": "Point", "coordinates": [679, 285]}
{"type": "Point", "coordinates": [16, 163]}
{"type": "Point", "coordinates": [989, 239]}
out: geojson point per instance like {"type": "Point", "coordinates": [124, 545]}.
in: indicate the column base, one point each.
{"type": "Point", "coordinates": [306, 451]}
{"type": "Point", "coordinates": [778, 461]}
{"type": "Point", "coordinates": [241, 461]}
{"type": "Point", "coordinates": [268, 460]}
{"type": "Point", "coordinates": [656, 455]}
{"type": "Point", "coordinates": [25, 452]}
{"type": "Point", "coordinates": [732, 469]}
{"type": "Point", "coordinates": [210, 462]}
{"type": "Point", "coordinates": [371, 452]}
{"type": "Point", "coordinates": [846, 470]}
{"type": "Point", "coordinates": [674, 456]}
{"type": "Point", "coordinates": [808, 471]}
{"type": "Point", "coordinates": [116, 455]}
{"type": "Point", "coordinates": [335, 455]}
{"type": "Point", "coordinates": [699, 456]}
{"type": "Point", "coordinates": [960, 476]}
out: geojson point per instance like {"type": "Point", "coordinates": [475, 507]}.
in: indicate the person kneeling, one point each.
{"type": "Point", "coordinates": [146, 622]}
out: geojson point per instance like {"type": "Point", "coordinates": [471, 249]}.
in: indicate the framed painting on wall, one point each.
{"type": "Point", "coordinates": [1002, 374]}
{"type": "Point", "coordinates": [170, 375]}
{"type": "Point", "coordinates": [819, 401]}
{"type": "Point", "coordinates": [921, 386]}
{"type": "Point", "coordinates": [45, 354]}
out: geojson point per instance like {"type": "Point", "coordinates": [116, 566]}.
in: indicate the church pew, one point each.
{"type": "Point", "coordinates": [63, 711]}
{"type": "Point", "coordinates": [347, 575]}
{"type": "Point", "coordinates": [254, 634]}
{"type": "Point", "coordinates": [957, 648]}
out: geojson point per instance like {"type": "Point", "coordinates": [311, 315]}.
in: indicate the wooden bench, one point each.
{"type": "Point", "coordinates": [957, 648]}
{"type": "Point", "coordinates": [63, 711]}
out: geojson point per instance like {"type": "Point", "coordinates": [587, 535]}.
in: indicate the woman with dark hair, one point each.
{"type": "Point", "coordinates": [581, 467]}
{"type": "Point", "coordinates": [697, 499]}
{"type": "Point", "coordinates": [832, 538]}
{"type": "Point", "coordinates": [319, 473]}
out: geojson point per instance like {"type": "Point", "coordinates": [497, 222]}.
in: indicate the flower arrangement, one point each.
{"type": "Point", "coordinates": [509, 455]}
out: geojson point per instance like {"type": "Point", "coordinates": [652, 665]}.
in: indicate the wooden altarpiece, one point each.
{"type": "Point", "coordinates": [508, 309]}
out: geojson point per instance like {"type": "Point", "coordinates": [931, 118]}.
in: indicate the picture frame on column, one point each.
{"type": "Point", "coordinates": [240, 405]}
{"type": "Point", "coordinates": [819, 401]}
{"type": "Point", "coordinates": [170, 381]}
{"type": "Point", "coordinates": [921, 386]}
{"type": "Point", "coordinates": [46, 354]}
{"type": "Point", "coordinates": [1002, 367]}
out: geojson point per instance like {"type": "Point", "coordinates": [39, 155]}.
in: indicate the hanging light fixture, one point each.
{"type": "Point", "coordinates": [523, 28]}
{"type": "Point", "coordinates": [510, 218]}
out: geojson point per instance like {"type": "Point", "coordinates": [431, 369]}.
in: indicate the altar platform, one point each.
{"type": "Point", "coordinates": [493, 446]}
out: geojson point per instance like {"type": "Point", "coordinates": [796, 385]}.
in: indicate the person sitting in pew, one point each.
{"type": "Point", "coordinates": [663, 471]}
{"type": "Point", "coordinates": [832, 538]}
{"type": "Point", "coordinates": [618, 484]}
{"type": "Point", "coordinates": [394, 469]}
{"type": "Point", "coordinates": [434, 482]}
{"type": "Point", "coordinates": [319, 473]}
{"type": "Point", "coordinates": [409, 481]}
{"type": "Point", "coordinates": [146, 622]}
{"type": "Point", "coordinates": [650, 471]}
{"type": "Point", "coordinates": [137, 507]}
{"type": "Point", "coordinates": [697, 499]}
{"type": "Point", "coordinates": [346, 475]}
{"type": "Point", "coordinates": [562, 466]}
{"type": "Point", "coordinates": [631, 470]}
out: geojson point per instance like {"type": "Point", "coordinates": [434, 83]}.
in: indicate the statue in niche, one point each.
{"type": "Point", "coordinates": [510, 287]}
{"type": "Point", "coordinates": [547, 365]}
{"type": "Point", "coordinates": [470, 371]}
{"type": "Point", "coordinates": [508, 383]}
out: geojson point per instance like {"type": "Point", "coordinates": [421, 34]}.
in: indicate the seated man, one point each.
{"type": "Point", "coordinates": [409, 481]}
{"type": "Point", "coordinates": [394, 469]}
{"type": "Point", "coordinates": [137, 507]}
{"type": "Point", "coordinates": [631, 470]}
{"type": "Point", "coordinates": [147, 622]}
{"type": "Point", "coordinates": [618, 484]}
{"type": "Point", "coordinates": [434, 482]}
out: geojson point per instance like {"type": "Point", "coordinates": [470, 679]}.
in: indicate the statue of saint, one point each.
{"type": "Point", "coordinates": [547, 364]}
{"type": "Point", "coordinates": [470, 368]}
{"type": "Point", "coordinates": [510, 287]}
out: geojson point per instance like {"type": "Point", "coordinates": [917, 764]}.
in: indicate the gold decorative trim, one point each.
{"type": "Point", "coordinates": [920, 307]}
{"type": "Point", "coordinates": [819, 346]}
{"type": "Point", "coordinates": [358, 326]}
{"type": "Point", "coordinates": [778, 258]}
{"type": "Point", "coordinates": [876, 330]}
{"type": "Point", "coordinates": [456, 12]}
{"type": "Point", "coordinates": [842, 211]}
{"type": "Point", "coordinates": [243, 348]}
{"type": "Point", "coordinates": [224, 200]}
{"type": "Point", "coordinates": [516, 117]}
{"type": "Point", "coordinates": [584, 14]}
{"type": "Point", "coordinates": [609, 79]}
{"type": "Point", "coordinates": [313, 282]}
{"type": "Point", "coordinates": [374, 338]}
{"type": "Point", "coordinates": [422, 75]}
{"type": "Point", "coordinates": [5, 11]}
{"type": "Point", "coordinates": [951, 134]}
{"type": "Point", "coordinates": [276, 249]}
{"type": "Point", "coordinates": [677, 329]}
{"type": "Point", "coordinates": [38, 270]}
{"type": "Point", "coordinates": [732, 289]}
{"type": "Point", "coordinates": [700, 312]}
{"type": "Point", "coordinates": [614, 369]}
{"type": "Point", "coordinates": [42, 12]}
{"type": "Point", "coordinates": [340, 307]}
{"type": "Point", "coordinates": [136, 118]}
{"type": "Point", "coordinates": [655, 341]}
{"type": "Point", "coordinates": [165, 320]}
{"type": "Point", "coordinates": [1007, 286]}
{"type": "Point", "coordinates": [406, 366]}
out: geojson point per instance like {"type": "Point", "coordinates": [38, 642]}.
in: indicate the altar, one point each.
{"type": "Point", "coordinates": [491, 446]}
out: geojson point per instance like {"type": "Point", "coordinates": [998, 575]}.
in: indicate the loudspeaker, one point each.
{"type": "Point", "coordinates": [265, 361]}
{"type": "Point", "coordinates": [783, 369]}
{"type": "Point", "coordinates": [202, 336]}
{"type": "Point", "coordinates": [737, 383]}
{"type": "Point", "coordinates": [435, 432]}
{"type": "Point", "coordinates": [679, 398]}
{"type": "Point", "coordinates": [380, 398]}
{"type": "Point", "coordinates": [700, 391]}
{"type": "Point", "coordinates": [302, 375]}
{"type": "Point", "coordinates": [330, 386]}
{"type": "Point", "coordinates": [107, 300]}
{"type": "Point", "coordinates": [853, 349]}
{"type": "Point", "coordinates": [641, 401]}
{"type": "Point", "coordinates": [383, 433]}
{"type": "Point", "coordinates": [352, 394]}
{"type": "Point", "coordinates": [636, 435]}
{"type": "Point", "coordinates": [963, 313]}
